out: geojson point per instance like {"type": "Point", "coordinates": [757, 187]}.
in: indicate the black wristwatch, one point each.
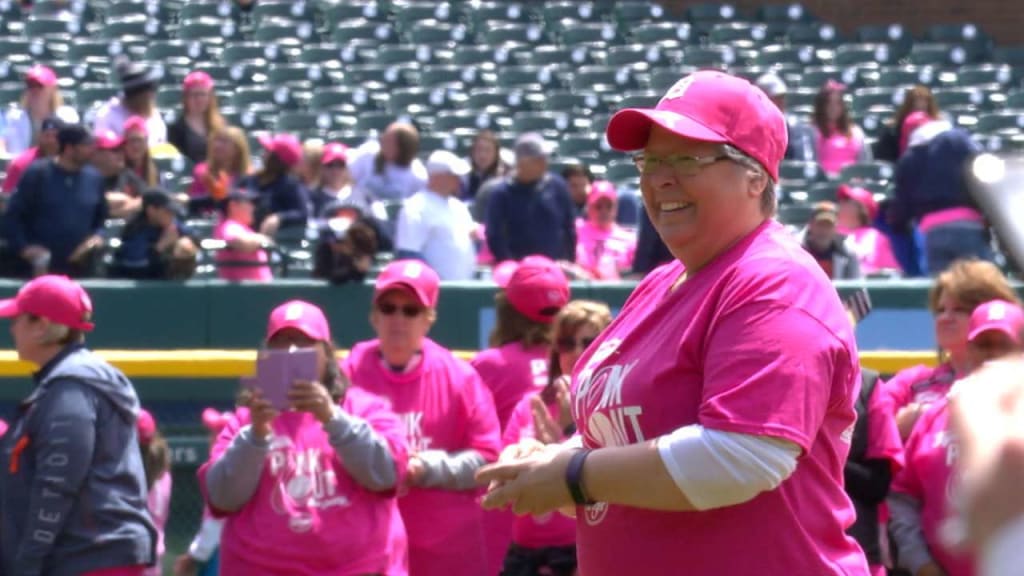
{"type": "Point", "coordinates": [569, 430]}
{"type": "Point", "coordinates": [574, 478]}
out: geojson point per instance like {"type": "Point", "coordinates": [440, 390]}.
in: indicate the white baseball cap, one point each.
{"type": "Point", "coordinates": [445, 162]}
{"type": "Point", "coordinates": [772, 85]}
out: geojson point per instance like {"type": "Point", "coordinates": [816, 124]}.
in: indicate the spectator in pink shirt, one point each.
{"type": "Point", "coordinates": [308, 491]}
{"type": "Point", "coordinates": [603, 248]}
{"type": "Point", "coordinates": [857, 210]}
{"type": "Point", "coordinates": [840, 142]}
{"type": "Point", "coordinates": [47, 148]}
{"type": "Point", "coordinates": [244, 256]}
{"type": "Point", "coordinates": [156, 460]}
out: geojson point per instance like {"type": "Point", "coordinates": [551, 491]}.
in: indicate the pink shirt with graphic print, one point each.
{"type": "Point", "coordinates": [604, 252]}
{"type": "Point", "coordinates": [919, 384]}
{"type": "Point", "coordinates": [756, 342]}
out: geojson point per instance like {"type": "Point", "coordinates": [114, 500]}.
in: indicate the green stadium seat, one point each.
{"type": "Point", "coordinates": [203, 10]}
{"type": "Point", "coordinates": [867, 171]}
{"type": "Point", "coordinates": [741, 33]}
{"type": "Point", "coordinates": [278, 96]}
{"type": "Point", "coordinates": [631, 12]}
{"type": "Point", "coordinates": [866, 53]}
{"type": "Point", "coordinates": [968, 96]}
{"type": "Point", "coordinates": [865, 98]}
{"type": "Point", "coordinates": [161, 49]}
{"type": "Point", "coordinates": [663, 79]}
{"type": "Point", "coordinates": [473, 54]}
{"type": "Point", "coordinates": [239, 73]}
{"type": "Point", "coordinates": [550, 124]}
{"type": "Point", "coordinates": [942, 54]}
{"type": "Point", "coordinates": [305, 123]}
{"type": "Point", "coordinates": [284, 74]}
{"type": "Point", "coordinates": [86, 95]}
{"type": "Point", "coordinates": [412, 14]}
{"type": "Point", "coordinates": [959, 33]}
{"type": "Point", "coordinates": [52, 27]}
{"type": "Point", "coordinates": [554, 12]}
{"type": "Point", "coordinates": [276, 30]}
{"type": "Point", "coordinates": [709, 56]}
{"type": "Point", "coordinates": [779, 54]}
{"type": "Point", "coordinates": [371, 123]}
{"type": "Point", "coordinates": [213, 30]}
{"type": "Point", "coordinates": [467, 76]}
{"type": "Point", "coordinates": [638, 99]}
{"type": "Point", "coordinates": [1006, 122]}
{"type": "Point", "coordinates": [11, 92]}
{"type": "Point", "coordinates": [401, 100]}
{"type": "Point", "coordinates": [815, 77]}
{"type": "Point", "coordinates": [528, 33]}
{"type": "Point", "coordinates": [1012, 55]}
{"type": "Point", "coordinates": [985, 74]}
{"type": "Point", "coordinates": [816, 33]}
{"type": "Point", "coordinates": [380, 32]}
{"type": "Point", "coordinates": [431, 141]}
{"type": "Point", "coordinates": [169, 97]}
{"type": "Point", "coordinates": [655, 32]}
{"type": "Point", "coordinates": [794, 12]}
{"type": "Point", "coordinates": [297, 10]}
{"type": "Point", "coordinates": [711, 12]}
{"type": "Point", "coordinates": [642, 54]}
{"type": "Point", "coordinates": [498, 12]}
{"type": "Point", "coordinates": [323, 53]}
{"type": "Point", "coordinates": [121, 8]}
{"type": "Point", "coordinates": [432, 32]}
{"type": "Point", "coordinates": [528, 75]}
{"type": "Point", "coordinates": [579, 145]}
{"type": "Point", "coordinates": [572, 33]}
{"type": "Point", "coordinates": [892, 76]}
{"type": "Point", "coordinates": [592, 76]}
{"type": "Point", "coordinates": [140, 25]}
{"type": "Point", "coordinates": [394, 76]}
{"type": "Point", "coordinates": [622, 171]}
{"type": "Point", "coordinates": [472, 120]}
{"type": "Point", "coordinates": [368, 10]}
{"type": "Point", "coordinates": [340, 96]}
{"type": "Point", "coordinates": [883, 33]}
{"type": "Point", "coordinates": [797, 170]}
{"type": "Point", "coordinates": [797, 215]}
{"type": "Point", "coordinates": [556, 55]}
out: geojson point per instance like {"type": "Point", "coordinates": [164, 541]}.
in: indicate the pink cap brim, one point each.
{"type": "Point", "coordinates": [405, 287]}
{"type": "Point", "coordinates": [266, 141]}
{"type": "Point", "coordinates": [1000, 327]}
{"type": "Point", "coordinates": [8, 308]}
{"type": "Point", "coordinates": [629, 129]}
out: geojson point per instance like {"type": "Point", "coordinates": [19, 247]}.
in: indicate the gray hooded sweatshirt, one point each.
{"type": "Point", "coordinates": [72, 486]}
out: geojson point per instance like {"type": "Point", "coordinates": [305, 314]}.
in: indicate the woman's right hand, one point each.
{"type": "Point", "coordinates": [930, 569]}
{"type": "Point", "coordinates": [262, 414]}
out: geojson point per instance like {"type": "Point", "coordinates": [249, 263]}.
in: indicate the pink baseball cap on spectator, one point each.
{"type": "Point", "coordinates": [108, 140]}
{"type": "Point", "coordinates": [42, 75]}
{"type": "Point", "coordinates": [59, 299]}
{"type": "Point", "coordinates": [284, 146]}
{"type": "Point", "coordinates": [912, 122]}
{"type": "Point", "coordinates": [864, 197]}
{"type": "Point", "coordinates": [999, 316]}
{"type": "Point", "coordinates": [602, 189]}
{"type": "Point", "coordinates": [503, 272]}
{"type": "Point", "coordinates": [214, 420]}
{"type": "Point", "coordinates": [198, 79]}
{"type": "Point", "coordinates": [334, 152]}
{"type": "Point", "coordinates": [135, 124]}
{"type": "Point", "coordinates": [413, 276]}
{"type": "Point", "coordinates": [538, 289]}
{"type": "Point", "coordinates": [709, 106]}
{"type": "Point", "coordinates": [146, 425]}
{"type": "Point", "coordinates": [302, 316]}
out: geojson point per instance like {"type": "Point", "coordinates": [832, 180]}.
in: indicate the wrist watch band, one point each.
{"type": "Point", "coordinates": [569, 430]}
{"type": "Point", "coordinates": [574, 478]}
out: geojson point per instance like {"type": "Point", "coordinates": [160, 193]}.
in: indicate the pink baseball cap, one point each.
{"type": "Point", "coordinates": [709, 106]}
{"type": "Point", "coordinates": [912, 122]}
{"type": "Point", "coordinates": [214, 420]}
{"type": "Point", "coordinates": [860, 195]}
{"type": "Point", "coordinates": [333, 152]}
{"type": "Point", "coordinates": [42, 75]}
{"type": "Point", "coordinates": [146, 425]}
{"type": "Point", "coordinates": [413, 276]}
{"type": "Point", "coordinates": [198, 79]}
{"type": "Point", "coordinates": [108, 140]}
{"type": "Point", "coordinates": [302, 316]}
{"type": "Point", "coordinates": [284, 146]}
{"type": "Point", "coordinates": [538, 289]}
{"type": "Point", "coordinates": [602, 189]}
{"type": "Point", "coordinates": [503, 272]}
{"type": "Point", "coordinates": [998, 315]}
{"type": "Point", "coordinates": [59, 299]}
{"type": "Point", "coordinates": [135, 124]}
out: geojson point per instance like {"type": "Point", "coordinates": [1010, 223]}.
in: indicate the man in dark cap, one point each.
{"type": "Point", "coordinates": [46, 148]}
{"type": "Point", "coordinates": [137, 98]}
{"type": "Point", "coordinates": [155, 245]}
{"type": "Point", "coordinates": [54, 219]}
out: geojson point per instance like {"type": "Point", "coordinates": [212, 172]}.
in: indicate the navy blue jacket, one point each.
{"type": "Point", "coordinates": [72, 485]}
{"type": "Point", "coordinates": [55, 209]}
{"type": "Point", "coordinates": [285, 196]}
{"type": "Point", "coordinates": [535, 218]}
{"type": "Point", "coordinates": [931, 177]}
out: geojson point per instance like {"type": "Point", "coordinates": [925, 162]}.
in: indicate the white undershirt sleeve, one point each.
{"type": "Point", "coordinates": [1002, 555]}
{"type": "Point", "coordinates": [714, 469]}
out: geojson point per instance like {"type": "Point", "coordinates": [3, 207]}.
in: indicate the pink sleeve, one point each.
{"type": "Point", "coordinates": [908, 481]}
{"type": "Point", "coordinates": [14, 172]}
{"type": "Point", "coordinates": [231, 230]}
{"type": "Point", "coordinates": [898, 389]}
{"type": "Point", "coordinates": [883, 434]}
{"type": "Point", "coordinates": [774, 381]}
{"type": "Point", "coordinates": [483, 433]}
{"type": "Point", "coordinates": [198, 174]}
{"type": "Point", "coordinates": [378, 414]}
{"type": "Point", "coordinates": [520, 423]}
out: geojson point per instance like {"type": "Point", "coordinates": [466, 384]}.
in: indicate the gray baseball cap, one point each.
{"type": "Point", "coordinates": [531, 145]}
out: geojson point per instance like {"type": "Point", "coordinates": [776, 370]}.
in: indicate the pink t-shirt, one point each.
{"type": "Point", "coordinates": [838, 150]}
{"type": "Point", "coordinates": [511, 372]}
{"type": "Point", "coordinates": [159, 504]}
{"type": "Point", "coordinates": [872, 248]}
{"type": "Point", "coordinates": [546, 530]}
{"type": "Point", "coordinates": [604, 252]}
{"type": "Point", "coordinates": [228, 230]}
{"type": "Point", "coordinates": [308, 516]}
{"type": "Point", "coordinates": [756, 342]}
{"type": "Point", "coordinates": [17, 167]}
{"type": "Point", "coordinates": [884, 443]}
{"type": "Point", "coordinates": [929, 477]}
{"type": "Point", "coordinates": [446, 407]}
{"type": "Point", "coordinates": [921, 384]}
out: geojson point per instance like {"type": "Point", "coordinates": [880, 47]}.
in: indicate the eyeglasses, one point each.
{"type": "Point", "coordinates": [679, 163]}
{"type": "Point", "coordinates": [409, 311]}
{"type": "Point", "coordinates": [570, 344]}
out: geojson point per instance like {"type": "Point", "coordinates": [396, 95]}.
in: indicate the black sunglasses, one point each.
{"type": "Point", "coordinates": [409, 311]}
{"type": "Point", "coordinates": [570, 344]}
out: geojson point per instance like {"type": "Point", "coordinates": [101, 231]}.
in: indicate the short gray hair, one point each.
{"type": "Point", "coordinates": [768, 203]}
{"type": "Point", "coordinates": [55, 333]}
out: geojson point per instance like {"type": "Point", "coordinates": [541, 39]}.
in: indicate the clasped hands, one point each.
{"type": "Point", "coordinates": [528, 478]}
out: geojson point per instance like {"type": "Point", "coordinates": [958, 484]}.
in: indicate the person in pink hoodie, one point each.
{"type": "Point", "coordinates": [516, 365]}
{"type": "Point", "coordinates": [450, 423]}
{"type": "Point", "coordinates": [546, 544]}
{"type": "Point", "coordinates": [309, 490]}
{"type": "Point", "coordinates": [926, 525]}
{"type": "Point", "coordinates": [603, 248]}
{"type": "Point", "coordinates": [857, 210]}
{"type": "Point", "coordinates": [156, 460]}
{"type": "Point", "coordinates": [244, 256]}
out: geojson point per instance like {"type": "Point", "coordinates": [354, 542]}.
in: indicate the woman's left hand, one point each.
{"type": "Point", "coordinates": [312, 397]}
{"type": "Point", "coordinates": [534, 484]}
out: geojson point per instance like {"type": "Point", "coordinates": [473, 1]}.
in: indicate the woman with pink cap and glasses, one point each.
{"type": "Point", "coordinates": [198, 118]}
{"type": "Point", "coordinates": [926, 526]}
{"type": "Point", "coordinates": [603, 248]}
{"type": "Point", "coordinates": [309, 490]}
{"type": "Point", "coordinates": [282, 201]}
{"type": "Point", "coordinates": [857, 210]}
{"type": "Point", "coordinates": [715, 410]}
{"type": "Point", "coordinates": [41, 100]}
{"type": "Point", "coordinates": [450, 424]}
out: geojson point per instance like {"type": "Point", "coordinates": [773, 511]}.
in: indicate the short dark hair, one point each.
{"type": "Point", "coordinates": [573, 170]}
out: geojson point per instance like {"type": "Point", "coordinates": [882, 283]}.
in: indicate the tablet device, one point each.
{"type": "Point", "coordinates": [276, 370]}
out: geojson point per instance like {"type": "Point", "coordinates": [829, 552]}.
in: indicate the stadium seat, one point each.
{"type": "Point", "coordinates": [213, 30]}
{"type": "Point", "coordinates": [1012, 55]}
{"type": "Point", "coordinates": [865, 53]}
{"type": "Point", "coordinates": [630, 12]}
{"type": "Point", "coordinates": [203, 10]}
{"type": "Point", "coordinates": [413, 14]}
{"type": "Point", "coordinates": [942, 54]}
{"type": "Point", "coordinates": [1005, 122]}
{"type": "Point", "coordinates": [121, 8]}
{"type": "Point", "coordinates": [402, 99]}
{"type": "Point", "coordinates": [796, 170]}
{"type": "Point", "coordinates": [985, 74]}
{"type": "Point", "coordinates": [553, 12]}
{"type": "Point", "coordinates": [363, 29]}
{"type": "Point", "coordinates": [275, 30]}
{"type": "Point", "coordinates": [865, 98]}
{"type": "Point", "coordinates": [793, 12]}
{"type": "Point", "coordinates": [527, 33]}
{"type": "Point", "coordinates": [779, 54]}
{"type": "Point", "coordinates": [742, 33]}
{"type": "Point", "coordinates": [284, 74]}
{"type": "Point", "coordinates": [52, 27]}
{"type": "Point", "coordinates": [893, 76]}
{"type": "Point", "coordinates": [160, 49]}
{"type": "Point", "coordinates": [470, 119]}
{"type": "Point", "coordinates": [304, 123]}
{"type": "Point", "coordinates": [967, 96]}
{"type": "Point", "coordinates": [964, 33]}
{"type": "Point", "coordinates": [140, 25]}
{"type": "Point", "coordinates": [297, 10]}
{"type": "Point", "coordinates": [709, 56]}
{"type": "Point", "coordinates": [338, 12]}
{"type": "Point", "coordinates": [395, 75]}
{"type": "Point", "coordinates": [572, 33]}
{"type": "Point", "coordinates": [816, 33]}
{"type": "Point", "coordinates": [277, 96]}
{"type": "Point", "coordinates": [867, 171]}
{"type": "Point", "coordinates": [642, 54]}
{"type": "Point", "coordinates": [474, 54]}
{"type": "Point", "coordinates": [884, 33]}
{"type": "Point", "coordinates": [654, 32]}
{"type": "Point", "coordinates": [503, 12]}
{"type": "Point", "coordinates": [797, 215]}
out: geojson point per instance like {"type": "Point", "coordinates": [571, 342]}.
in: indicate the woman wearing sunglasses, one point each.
{"type": "Point", "coordinates": [546, 543]}
{"type": "Point", "coordinates": [309, 490]}
{"type": "Point", "coordinates": [517, 364]}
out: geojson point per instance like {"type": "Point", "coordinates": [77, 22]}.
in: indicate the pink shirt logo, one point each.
{"type": "Point", "coordinates": [302, 484]}
{"type": "Point", "coordinates": [414, 436]}
{"type": "Point", "coordinates": [611, 423]}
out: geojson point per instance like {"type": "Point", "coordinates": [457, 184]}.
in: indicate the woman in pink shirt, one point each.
{"type": "Point", "coordinates": [546, 544]}
{"type": "Point", "coordinates": [603, 248]}
{"type": "Point", "coordinates": [716, 408]}
{"type": "Point", "coordinates": [925, 525]}
{"type": "Point", "coordinates": [450, 424]}
{"type": "Point", "coordinates": [156, 460]}
{"type": "Point", "coordinates": [309, 490]}
{"type": "Point", "coordinates": [857, 210]}
{"type": "Point", "coordinates": [840, 142]}
{"type": "Point", "coordinates": [227, 160]}
{"type": "Point", "coordinates": [517, 364]}
{"type": "Point", "coordinates": [244, 256]}
{"type": "Point", "coordinates": [956, 293]}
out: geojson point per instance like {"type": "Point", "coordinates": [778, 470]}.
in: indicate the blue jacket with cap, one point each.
{"type": "Point", "coordinates": [535, 218]}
